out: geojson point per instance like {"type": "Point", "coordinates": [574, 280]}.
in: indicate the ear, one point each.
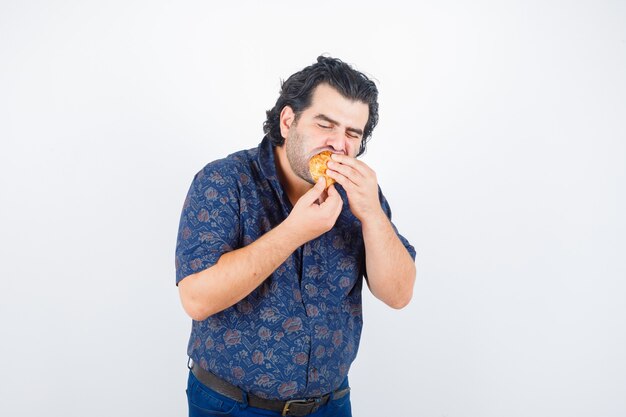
{"type": "Point", "coordinates": [287, 117]}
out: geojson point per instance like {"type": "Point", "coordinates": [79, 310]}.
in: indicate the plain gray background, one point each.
{"type": "Point", "coordinates": [501, 148]}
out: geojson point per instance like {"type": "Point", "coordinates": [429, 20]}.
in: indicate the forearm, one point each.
{"type": "Point", "coordinates": [390, 267]}
{"type": "Point", "coordinates": [236, 274]}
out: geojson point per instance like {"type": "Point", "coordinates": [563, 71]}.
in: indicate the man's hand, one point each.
{"type": "Point", "coordinates": [314, 215]}
{"type": "Point", "coordinates": [360, 183]}
{"type": "Point", "coordinates": [390, 268]}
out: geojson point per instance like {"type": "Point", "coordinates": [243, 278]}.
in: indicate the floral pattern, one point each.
{"type": "Point", "coordinates": [296, 335]}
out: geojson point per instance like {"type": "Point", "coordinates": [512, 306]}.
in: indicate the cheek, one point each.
{"type": "Point", "coordinates": [353, 148]}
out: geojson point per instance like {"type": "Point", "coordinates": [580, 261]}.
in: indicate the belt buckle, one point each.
{"type": "Point", "coordinates": [289, 402]}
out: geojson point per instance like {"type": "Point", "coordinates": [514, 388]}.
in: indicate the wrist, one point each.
{"type": "Point", "coordinates": [290, 234]}
{"type": "Point", "coordinates": [374, 219]}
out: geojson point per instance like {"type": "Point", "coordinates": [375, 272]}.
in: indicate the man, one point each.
{"type": "Point", "coordinates": [270, 265]}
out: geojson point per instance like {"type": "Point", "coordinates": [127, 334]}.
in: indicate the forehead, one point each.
{"type": "Point", "coordinates": [328, 101]}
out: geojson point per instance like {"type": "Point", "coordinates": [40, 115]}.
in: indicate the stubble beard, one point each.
{"type": "Point", "coordinates": [296, 155]}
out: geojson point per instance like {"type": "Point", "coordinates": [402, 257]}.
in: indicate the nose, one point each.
{"type": "Point", "coordinates": [337, 141]}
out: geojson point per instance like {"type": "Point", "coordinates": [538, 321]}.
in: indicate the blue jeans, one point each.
{"type": "Point", "coordinates": [204, 402]}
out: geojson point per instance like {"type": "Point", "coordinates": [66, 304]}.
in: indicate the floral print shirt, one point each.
{"type": "Point", "coordinates": [296, 335]}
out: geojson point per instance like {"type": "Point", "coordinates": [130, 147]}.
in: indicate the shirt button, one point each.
{"type": "Point", "coordinates": [307, 287]}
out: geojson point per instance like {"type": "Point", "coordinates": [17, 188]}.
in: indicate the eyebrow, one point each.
{"type": "Point", "coordinates": [329, 120]}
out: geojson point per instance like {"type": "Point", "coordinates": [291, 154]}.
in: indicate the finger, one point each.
{"type": "Point", "coordinates": [322, 197]}
{"type": "Point", "coordinates": [333, 201]}
{"type": "Point", "coordinates": [347, 171]}
{"type": "Point", "coordinates": [340, 178]}
{"type": "Point", "coordinates": [333, 194]}
{"type": "Point", "coordinates": [314, 193]}
{"type": "Point", "coordinates": [346, 160]}
{"type": "Point", "coordinates": [329, 194]}
{"type": "Point", "coordinates": [332, 191]}
{"type": "Point", "coordinates": [361, 167]}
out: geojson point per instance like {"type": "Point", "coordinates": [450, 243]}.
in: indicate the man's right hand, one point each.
{"type": "Point", "coordinates": [309, 218]}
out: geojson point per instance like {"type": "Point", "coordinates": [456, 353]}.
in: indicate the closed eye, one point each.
{"type": "Point", "coordinates": [324, 126]}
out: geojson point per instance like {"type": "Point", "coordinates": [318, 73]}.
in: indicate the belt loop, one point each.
{"type": "Point", "coordinates": [189, 363]}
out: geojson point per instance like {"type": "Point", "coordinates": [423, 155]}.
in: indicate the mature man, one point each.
{"type": "Point", "coordinates": [270, 264]}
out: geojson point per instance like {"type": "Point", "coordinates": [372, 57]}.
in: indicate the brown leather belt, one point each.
{"type": "Point", "coordinates": [287, 408]}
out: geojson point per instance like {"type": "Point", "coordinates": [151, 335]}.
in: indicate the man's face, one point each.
{"type": "Point", "coordinates": [332, 122]}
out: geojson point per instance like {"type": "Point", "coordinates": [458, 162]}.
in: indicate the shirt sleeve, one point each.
{"type": "Point", "coordinates": [387, 209]}
{"type": "Point", "coordinates": [209, 222]}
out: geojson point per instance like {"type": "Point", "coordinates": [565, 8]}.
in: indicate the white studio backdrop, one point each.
{"type": "Point", "coordinates": [501, 148]}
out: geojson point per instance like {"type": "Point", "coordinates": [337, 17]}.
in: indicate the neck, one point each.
{"type": "Point", "coordinates": [294, 186]}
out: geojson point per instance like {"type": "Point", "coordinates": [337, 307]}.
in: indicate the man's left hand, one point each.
{"type": "Point", "coordinates": [360, 183]}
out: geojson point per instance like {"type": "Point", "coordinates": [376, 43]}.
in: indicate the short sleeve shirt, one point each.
{"type": "Point", "coordinates": [296, 335]}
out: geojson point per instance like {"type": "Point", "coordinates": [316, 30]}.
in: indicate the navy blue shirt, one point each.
{"type": "Point", "coordinates": [296, 335]}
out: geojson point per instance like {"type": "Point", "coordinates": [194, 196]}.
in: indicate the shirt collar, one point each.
{"type": "Point", "coordinates": [267, 164]}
